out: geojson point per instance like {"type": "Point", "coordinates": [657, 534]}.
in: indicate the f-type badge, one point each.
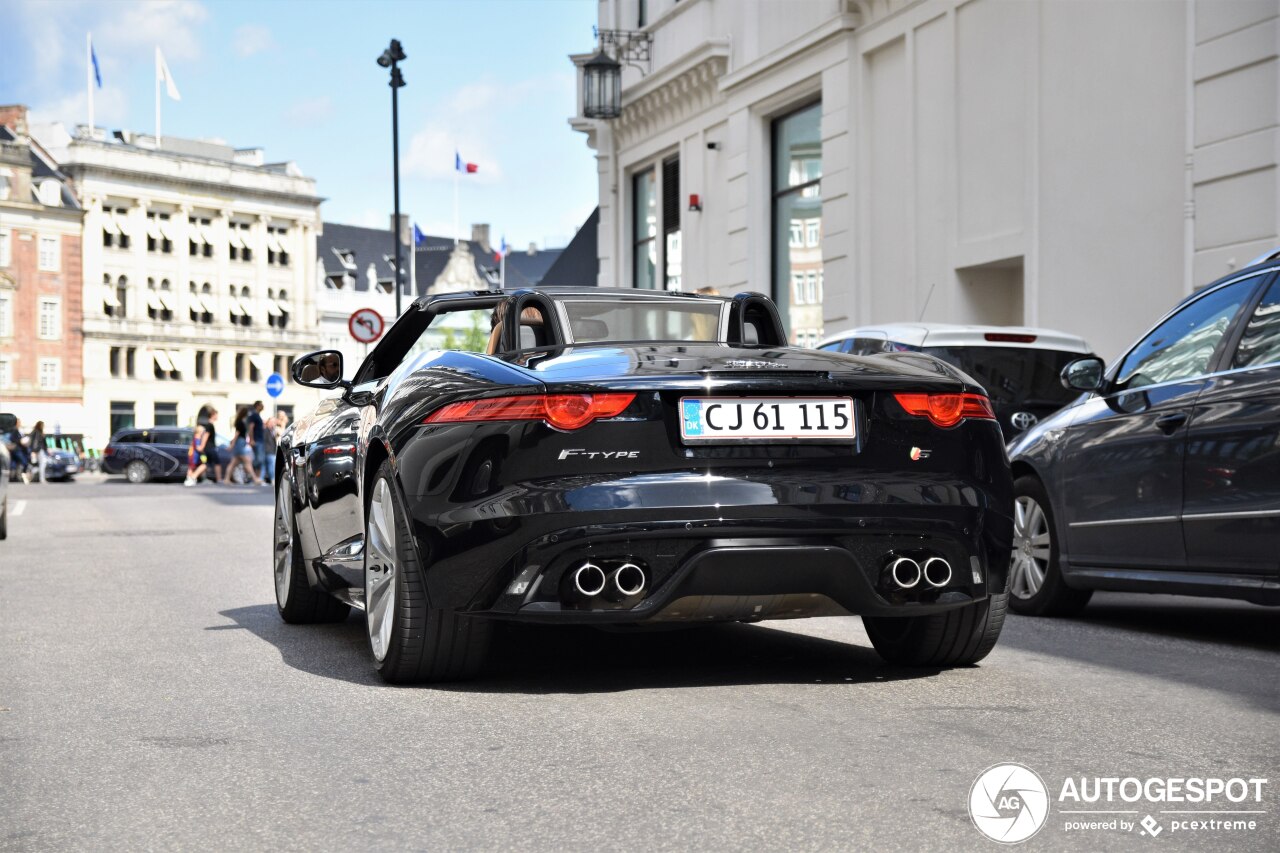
{"type": "Point", "coordinates": [918, 453]}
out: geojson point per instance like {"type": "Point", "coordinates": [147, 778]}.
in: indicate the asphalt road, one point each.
{"type": "Point", "coordinates": [150, 698]}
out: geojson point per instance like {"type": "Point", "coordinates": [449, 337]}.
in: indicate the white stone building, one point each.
{"type": "Point", "coordinates": [199, 277]}
{"type": "Point", "coordinates": [1079, 165]}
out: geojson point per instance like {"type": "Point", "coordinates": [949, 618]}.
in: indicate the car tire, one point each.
{"type": "Point", "coordinates": [4, 518]}
{"type": "Point", "coordinates": [411, 642]}
{"type": "Point", "coordinates": [958, 637]}
{"type": "Point", "coordinates": [137, 471]}
{"type": "Point", "coordinates": [1036, 586]}
{"type": "Point", "coordinates": [296, 601]}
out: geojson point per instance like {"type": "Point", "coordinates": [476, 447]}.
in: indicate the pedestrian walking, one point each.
{"type": "Point", "coordinates": [242, 448]}
{"type": "Point", "coordinates": [209, 451]}
{"type": "Point", "coordinates": [39, 449]}
{"type": "Point", "coordinates": [270, 435]}
{"type": "Point", "coordinates": [19, 455]}
{"type": "Point", "coordinates": [258, 438]}
{"type": "Point", "coordinates": [196, 464]}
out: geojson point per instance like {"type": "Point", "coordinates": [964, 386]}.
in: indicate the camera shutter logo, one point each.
{"type": "Point", "coordinates": [1009, 803]}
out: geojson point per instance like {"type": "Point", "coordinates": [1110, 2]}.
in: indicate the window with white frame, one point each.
{"type": "Point", "coordinates": [6, 372]}
{"type": "Point", "coordinates": [49, 325]}
{"type": "Point", "coordinates": [49, 253]}
{"type": "Point", "coordinates": [50, 373]}
{"type": "Point", "coordinates": [6, 313]}
{"type": "Point", "coordinates": [797, 214]}
{"type": "Point", "coordinates": [6, 248]}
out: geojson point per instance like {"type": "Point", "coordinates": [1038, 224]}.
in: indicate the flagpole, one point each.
{"type": "Point", "coordinates": [158, 137]}
{"type": "Point", "coordinates": [457, 229]}
{"type": "Point", "coordinates": [502, 271]}
{"type": "Point", "coordinates": [88, 74]}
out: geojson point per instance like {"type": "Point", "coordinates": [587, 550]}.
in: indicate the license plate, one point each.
{"type": "Point", "coordinates": [767, 418]}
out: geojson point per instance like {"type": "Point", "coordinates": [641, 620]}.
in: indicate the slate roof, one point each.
{"type": "Point", "coordinates": [41, 168]}
{"type": "Point", "coordinates": [367, 244]}
{"type": "Point", "coordinates": [531, 268]}
{"type": "Point", "coordinates": [579, 263]}
{"type": "Point", "coordinates": [430, 257]}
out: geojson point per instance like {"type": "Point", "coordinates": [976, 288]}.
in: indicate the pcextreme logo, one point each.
{"type": "Point", "coordinates": [1010, 803]}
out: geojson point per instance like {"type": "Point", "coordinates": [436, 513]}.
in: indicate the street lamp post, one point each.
{"type": "Point", "coordinates": [390, 58]}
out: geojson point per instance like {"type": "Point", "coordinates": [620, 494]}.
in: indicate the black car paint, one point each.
{"type": "Point", "coordinates": [163, 449]}
{"type": "Point", "coordinates": [1157, 464]}
{"type": "Point", "coordinates": [493, 503]}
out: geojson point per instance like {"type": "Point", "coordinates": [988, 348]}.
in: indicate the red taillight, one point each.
{"type": "Point", "coordinates": [339, 449]}
{"type": "Point", "coordinates": [1009, 338]}
{"type": "Point", "coordinates": [946, 410]}
{"type": "Point", "coordinates": [108, 451]}
{"type": "Point", "coordinates": [562, 411]}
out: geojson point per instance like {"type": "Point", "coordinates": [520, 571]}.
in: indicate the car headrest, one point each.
{"type": "Point", "coordinates": [589, 329]}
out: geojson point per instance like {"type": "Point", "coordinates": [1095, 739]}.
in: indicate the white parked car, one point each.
{"type": "Point", "coordinates": [1018, 366]}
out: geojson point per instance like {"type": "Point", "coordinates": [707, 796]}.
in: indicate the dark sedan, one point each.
{"type": "Point", "coordinates": [158, 453]}
{"type": "Point", "coordinates": [617, 457]}
{"type": "Point", "coordinates": [1164, 475]}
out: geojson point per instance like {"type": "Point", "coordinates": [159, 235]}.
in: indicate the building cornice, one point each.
{"type": "Point", "coordinates": [683, 89]}
{"type": "Point", "coordinates": [93, 160]}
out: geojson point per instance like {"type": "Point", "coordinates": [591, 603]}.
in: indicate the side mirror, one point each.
{"type": "Point", "coordinates": [1084, 374]}
{"type": "Point", "coordinates": [321, 369]}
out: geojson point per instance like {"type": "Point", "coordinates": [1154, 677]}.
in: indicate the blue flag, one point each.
{"type": "Point", "coordinates": [418, 236]}
{"type": "Point", "coordinates": [93, 55]}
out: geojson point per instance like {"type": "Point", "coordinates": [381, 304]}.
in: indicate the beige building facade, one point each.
{"type": "Point", "coordinates": [199, 277]}
{"type": "Point", "coordinates": [1077, 165]}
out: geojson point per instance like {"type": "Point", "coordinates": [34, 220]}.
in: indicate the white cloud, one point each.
{"type": "Point", "coordinates": [431, 154]}
{"type": "Point", "coordinates": [252, 38]}
{"type": "Point", "coordinates": [140, 25]}
{"type": "Point", "coordinates": [110, 108]}
{"type": "Point", "coordinates": [125, 35]}
{"type": "Point", "coordinates": [309, 112]}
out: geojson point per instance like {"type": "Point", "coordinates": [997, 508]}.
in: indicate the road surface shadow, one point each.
{"type": "Point", "coordinates": [1168, 637]}
{"type": "Point", "coordinates": [539, 659]}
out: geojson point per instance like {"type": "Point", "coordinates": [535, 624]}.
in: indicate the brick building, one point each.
{"type": "Point", "coordinates": [41, 338]}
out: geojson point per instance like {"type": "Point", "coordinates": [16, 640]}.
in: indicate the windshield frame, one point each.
{"type": "Point", "coordinates": [722, 322]}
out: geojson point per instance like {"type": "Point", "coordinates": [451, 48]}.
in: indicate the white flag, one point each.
{"type": "Point", "coordinates": [163, 73]}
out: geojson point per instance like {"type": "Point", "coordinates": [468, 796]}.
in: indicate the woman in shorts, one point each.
{"type": "Point", "coordinates": [242, 449]}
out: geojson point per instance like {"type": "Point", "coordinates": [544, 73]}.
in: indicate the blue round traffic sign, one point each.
{"type": "Point", "coordinates": [275, 385]}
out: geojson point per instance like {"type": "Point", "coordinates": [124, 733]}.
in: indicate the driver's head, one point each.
{"type": "Point", "coordinates": [331, 367]}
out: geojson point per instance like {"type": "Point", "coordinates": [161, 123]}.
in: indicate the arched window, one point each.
{"type": "Point", "coordinates": [122, 295]}
{"type": "Point", "coordinates": [110, 302]}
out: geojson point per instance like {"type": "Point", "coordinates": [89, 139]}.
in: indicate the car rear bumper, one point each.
{"type": "Point", "coordinates": [752, 547]}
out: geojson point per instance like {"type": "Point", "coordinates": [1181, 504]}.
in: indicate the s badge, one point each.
{"type": "Point", "coordinates": [917, 454]}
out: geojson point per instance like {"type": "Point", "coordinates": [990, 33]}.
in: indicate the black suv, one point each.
{"type": "Point", "coordinates": [1164, 475]}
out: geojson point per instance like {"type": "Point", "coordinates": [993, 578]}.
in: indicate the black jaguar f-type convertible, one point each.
{"type": "Point", "coordinates": [623, 457]}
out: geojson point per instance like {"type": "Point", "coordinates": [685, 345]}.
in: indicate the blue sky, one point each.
{"type": "Point", "coordinates": [300, 80]}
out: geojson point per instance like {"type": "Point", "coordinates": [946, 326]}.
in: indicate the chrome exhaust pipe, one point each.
{"type": "Point", "coordinates": [905, 572]}
{"type": "Point", "coordinates": [629, 580]}
{"type": "Point", "coordinates": [589, 580]}
{"type": "Point", "coordinates": [937, 572]}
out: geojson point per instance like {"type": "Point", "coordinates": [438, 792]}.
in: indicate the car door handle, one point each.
{"type": "Point", "coordinates": [1169, 423]}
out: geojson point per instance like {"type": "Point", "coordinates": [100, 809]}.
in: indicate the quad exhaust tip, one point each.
{"type": "Point", "coordinates": [905, 572]}
{"type": "Point", "coordinates": [628, 580]}
{"type": "Point", "coordinates": [937, 572]}
{"type": "Point", "coordinates": [589, 580]}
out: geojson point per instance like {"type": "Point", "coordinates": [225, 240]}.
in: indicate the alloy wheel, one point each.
{"type": "Point", "coordinates": [1031, 541]}
{"type": "Point", "coordinates": [284, 544]}
{"type": "Point", "coordinates": [380, 570]}
{"type": "Point", "coordinates": [137, 472]}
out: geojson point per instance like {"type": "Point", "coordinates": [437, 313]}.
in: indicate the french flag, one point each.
{"type": "Point", "coordinates": [461, 165]}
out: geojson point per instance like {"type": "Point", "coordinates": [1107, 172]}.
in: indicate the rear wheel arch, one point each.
{"type": "Point", "coordinates": [373, 459]}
